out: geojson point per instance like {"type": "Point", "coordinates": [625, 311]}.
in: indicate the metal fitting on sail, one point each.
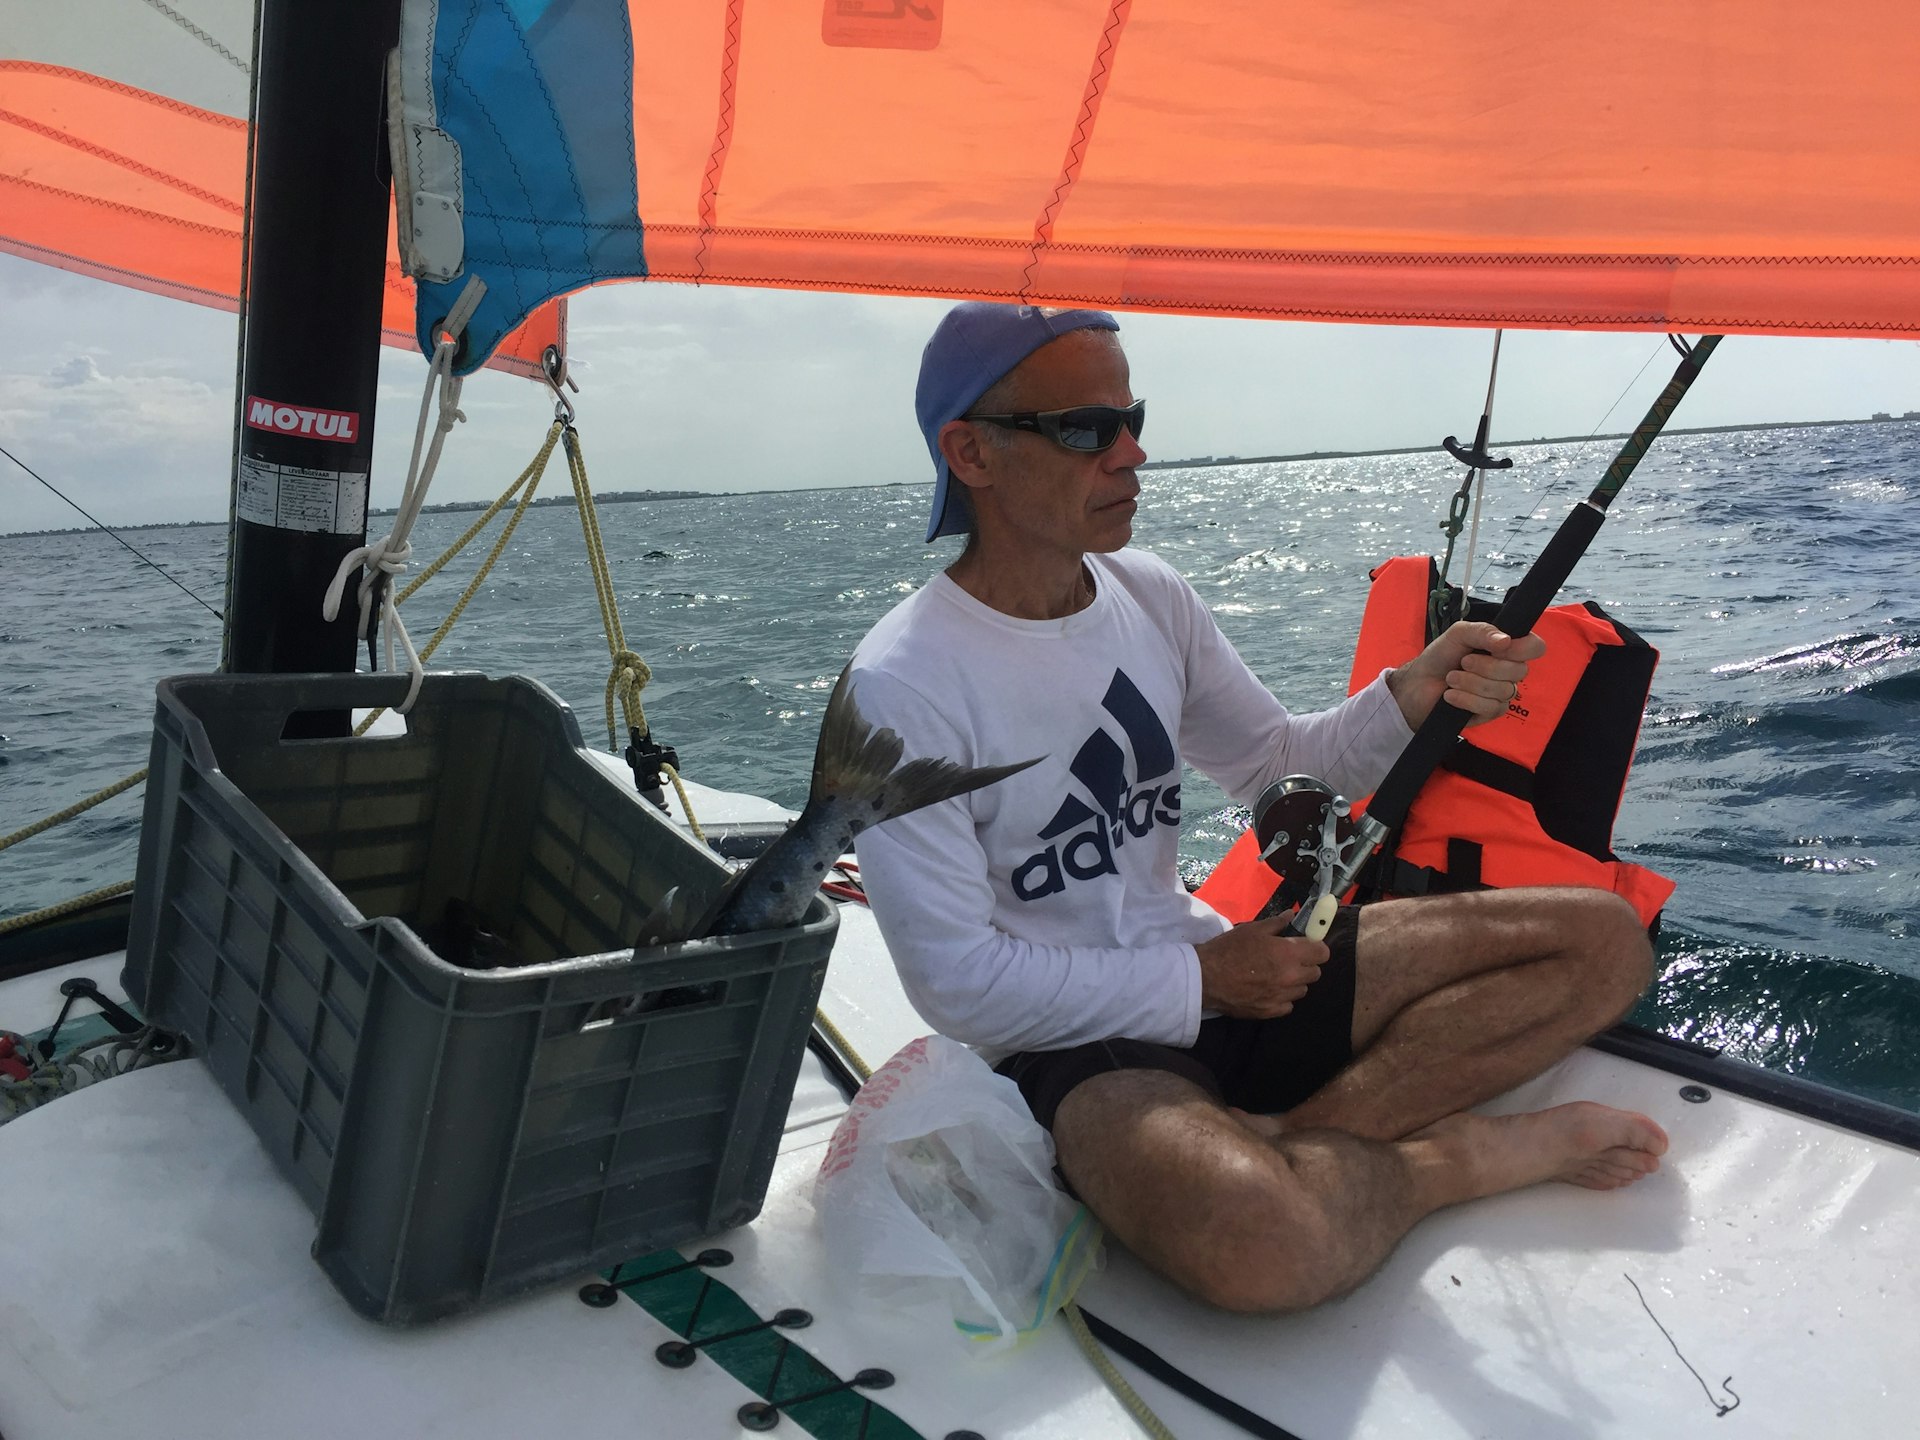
{"type": "Point", "coordinates": [553, 369]}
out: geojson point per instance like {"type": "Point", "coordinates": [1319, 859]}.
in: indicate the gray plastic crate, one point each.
{"type": "Point", "coordinates": [461, 1134]}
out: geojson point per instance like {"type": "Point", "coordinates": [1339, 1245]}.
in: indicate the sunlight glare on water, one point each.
{"type": "Point", "coordinates": [1778, 778]}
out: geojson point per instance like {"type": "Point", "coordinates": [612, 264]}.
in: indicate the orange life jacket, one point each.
{"type": "Point", "coordinates": [1530, 799]}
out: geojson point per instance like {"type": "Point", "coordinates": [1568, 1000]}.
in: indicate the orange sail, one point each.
{"type": "Point", "coordinates": [125, 185]}
{"type": "Point", "coordinates": [1724, 165]}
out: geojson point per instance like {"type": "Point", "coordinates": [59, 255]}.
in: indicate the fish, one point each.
{"type": "Point", "coordinates": [858, 782]}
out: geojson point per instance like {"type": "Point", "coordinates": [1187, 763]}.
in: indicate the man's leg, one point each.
{"type": "Point", "coordinates": [1458, 998]}
{"type": "Point", "coordinates": [1255, 1223]}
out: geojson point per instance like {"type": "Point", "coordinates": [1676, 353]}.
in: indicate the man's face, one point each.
{"type": "Point", "coordinates": [1052, 498]}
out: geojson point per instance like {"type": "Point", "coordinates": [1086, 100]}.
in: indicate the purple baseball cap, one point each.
{"type": "Point", "coordinates": [975, 344]}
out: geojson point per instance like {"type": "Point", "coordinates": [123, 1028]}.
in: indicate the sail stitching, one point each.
{"type": "Point", "coordinates": [1082, 137]}
{"type": "Point", "coordinates": [722, 136]}
{"type": "Point", "coordinates": [529, 210]}
{"type": "Point", "coordinates": [123, 162]}
{"type": "Point", "coordinates": [553, 112]}
{"type": "Point", "coordinates": [130, 92]}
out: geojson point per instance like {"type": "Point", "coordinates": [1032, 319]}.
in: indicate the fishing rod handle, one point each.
{"type": "Point", "coordinates": [1526, 601]}
{"type": "Point", "coordinates": [1519, 612]}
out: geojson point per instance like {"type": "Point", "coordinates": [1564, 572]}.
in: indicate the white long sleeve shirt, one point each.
{"type": "Point", "coordinates": [1047, 910]}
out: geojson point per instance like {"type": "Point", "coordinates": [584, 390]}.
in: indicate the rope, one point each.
{"type": "Point", "coordinates": [387, 557]}
{"type": "Point", "coordinates": [65, 907]}
{"type": "Point", "coordinates": [76, 1069]}
{"type": "Point", "coordinates": [124, 783]}
{"type": "Point", "coordinates": [630, 673]}
{"type": "Point", "coordinates": [844, 1046]}
{"type": "Point", "coordinates": [1480, 490]}
{"type": "Point", "coordinates": [1116, 1382]}
{"type": "Point", "coordinates": [530, 478]}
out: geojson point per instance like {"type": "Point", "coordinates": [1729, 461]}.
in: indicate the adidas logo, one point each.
{"type": "Point", "coordinates": [1120, 807]}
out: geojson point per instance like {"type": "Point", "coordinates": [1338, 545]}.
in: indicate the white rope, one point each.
{"type": "Point", "coordinates": [388, 555]}
{"type": "Point", "coordinates": [76, 1069]}
{"type": "Point", "coordinates": [1479, 490]}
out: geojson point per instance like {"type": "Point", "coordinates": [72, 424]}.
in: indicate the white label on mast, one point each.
{"type": "Point", "coordinates": [292, 497]}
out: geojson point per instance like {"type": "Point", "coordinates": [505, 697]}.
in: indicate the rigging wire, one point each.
{"type": "Point", "coordinates": [240, 328]}
{"type": "Point", "coordinates": [1553, 489]}
{"type": "Point", "coordinates": [1480, 489]}
{"type": "Point", "coordinates": [101, 525]}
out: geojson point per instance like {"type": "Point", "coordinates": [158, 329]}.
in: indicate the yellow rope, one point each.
{"type": "Point", "coordinates": [530, 478]}
{"type": "Point", "coordinates": [630, 673]}
{"type": "Point", "coordinates": [79, 902]}
{"type": "Point", "coordinates": [843, 1045]}
{"type": "Point", "coordinates": [72, 810]}
{"type": "Point", "coordinates": [536, 468]}
{"type": "Point", "coordinates": [686, 803]}
{"type": "Point", "coordinates": [1116, 1382]}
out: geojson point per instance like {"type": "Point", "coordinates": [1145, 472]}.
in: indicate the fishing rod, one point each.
{"type": "Point", "coordinates": [1338, 859]}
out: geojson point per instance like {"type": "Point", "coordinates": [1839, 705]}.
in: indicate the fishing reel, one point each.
{"type": "Point", "coordinates": [1305, 832]}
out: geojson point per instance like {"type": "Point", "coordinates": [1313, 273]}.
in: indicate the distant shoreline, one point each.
{"type": "Point", "coordinates": [1201, 462]}
{"type": "Point", "coordinates": [1205, 462]}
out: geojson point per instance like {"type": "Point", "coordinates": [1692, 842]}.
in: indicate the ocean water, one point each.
{"type": "Point", "coordinates": [1778, 778]}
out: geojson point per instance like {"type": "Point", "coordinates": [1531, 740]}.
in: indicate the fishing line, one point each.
{"type": "Point", "coordinates": [1534, 512]}
{"type": "Point", "coordinates": [137, 555]}
{"type": "Point", "coordinates": [1719, 1407]}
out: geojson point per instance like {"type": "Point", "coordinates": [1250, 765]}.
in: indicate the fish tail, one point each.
{"type": "Point", "coordinates": [859, 765]}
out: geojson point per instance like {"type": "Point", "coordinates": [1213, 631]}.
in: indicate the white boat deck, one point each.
{"type": "Point", "coordinates": [156, 1282]}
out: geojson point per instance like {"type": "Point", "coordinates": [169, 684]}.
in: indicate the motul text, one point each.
{"type": "Point", "coordinates": [294, 420]}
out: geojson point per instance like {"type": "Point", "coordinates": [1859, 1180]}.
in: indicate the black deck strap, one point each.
{"type": "Point", "coordinates": [1496, 772]}
{"type": "Point", "coordinates": [1174, 1378]}
{"type": "Point", "coordinates": [835, 1064]}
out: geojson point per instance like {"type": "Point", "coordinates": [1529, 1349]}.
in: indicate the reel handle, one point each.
{"type": "Point", "coordinates": [1314, 924]}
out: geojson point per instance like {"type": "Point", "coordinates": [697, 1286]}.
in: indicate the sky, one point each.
{"type": "Point", "coordinates": [125, 401]}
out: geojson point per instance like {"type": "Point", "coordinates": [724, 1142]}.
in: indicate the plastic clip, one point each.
{"type": "Point", "coordinates": [647, 758]}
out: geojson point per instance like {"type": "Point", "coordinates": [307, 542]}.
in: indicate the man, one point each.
{"type": "Point", "coordinates": [1259, 1117]}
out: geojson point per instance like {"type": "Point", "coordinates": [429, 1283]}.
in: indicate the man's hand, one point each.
{"type": "Point", "coordinates": [1255, 972]}
{"type": "Point", "coordinates": [1472, 666]}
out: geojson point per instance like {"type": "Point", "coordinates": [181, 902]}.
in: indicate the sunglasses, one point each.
{"type": "Point", "coordinates": [1088, 429]}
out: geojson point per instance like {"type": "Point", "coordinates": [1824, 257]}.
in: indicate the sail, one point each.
{"type": "Point", "coordinates": [1727, 165]}
{"type": "Point", "coordinates": [123, 144]}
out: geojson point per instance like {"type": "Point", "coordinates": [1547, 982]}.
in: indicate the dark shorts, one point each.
{"type": "Point", "coordinates": [1265, 1066]}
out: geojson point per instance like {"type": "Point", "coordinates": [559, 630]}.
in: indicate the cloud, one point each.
{"type": "Point", "coordinates": [77, 370]}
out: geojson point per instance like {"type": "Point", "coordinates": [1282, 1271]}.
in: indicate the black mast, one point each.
{"type": "Point", "coordinates": [317, 274]}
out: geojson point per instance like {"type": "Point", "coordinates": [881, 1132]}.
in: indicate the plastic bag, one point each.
{"type": "Point", "coordinates": [937, 1189]}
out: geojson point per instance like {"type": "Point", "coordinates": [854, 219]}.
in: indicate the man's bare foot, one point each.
{"type": "Point", "coordinates": [1582, 1143]}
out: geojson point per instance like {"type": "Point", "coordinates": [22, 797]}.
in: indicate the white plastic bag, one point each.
{"type": "Point", "coordinates": [938, 1189]}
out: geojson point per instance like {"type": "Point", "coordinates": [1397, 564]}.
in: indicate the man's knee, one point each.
{"type": "Point", "coordinates": [1273, 1256]}
{"type": "Point", "coordinates": [1222, 1213]}
{"type": "Point", "coordinates": [1616, 955]}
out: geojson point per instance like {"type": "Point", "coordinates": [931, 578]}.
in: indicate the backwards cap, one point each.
{"type": "Point", "coordinates": [975, 344]}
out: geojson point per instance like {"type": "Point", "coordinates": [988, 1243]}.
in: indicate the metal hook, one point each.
{"type": "Point", "coordinates": [553, 369]}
